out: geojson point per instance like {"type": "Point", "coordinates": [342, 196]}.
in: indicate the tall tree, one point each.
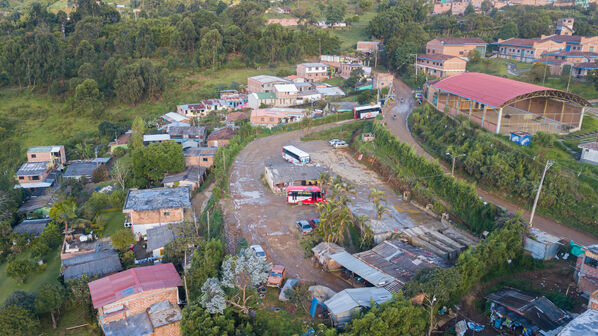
{"type": "Point", "coordinates": [49, 300]}
{"type": "Point", "coordinates": [15, 320]}
{"type": "Point", "coordinates": [211, 48]}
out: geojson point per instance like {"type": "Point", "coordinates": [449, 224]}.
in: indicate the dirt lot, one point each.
{"type": "Point", "coordinates": [262, 217]}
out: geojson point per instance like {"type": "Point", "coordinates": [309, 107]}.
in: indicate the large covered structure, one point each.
{"type": "Point", "coordinates": [503, 105]}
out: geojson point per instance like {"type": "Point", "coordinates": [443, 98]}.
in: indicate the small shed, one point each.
{"type": "Point", "coordinates": [280, 176]}
{"type": "Point", "coordinates": [32, 226]}
{"type": "Point", "coordinates": [521, 138]}
{"type": "Point", "coordinates": [157, 238]}
{"type": "Point", "coordinates": [541, 244]}
{"type": "Point", "coordinates": [343, 305]}
{"type": "Point", "coordinates": [322, 253]}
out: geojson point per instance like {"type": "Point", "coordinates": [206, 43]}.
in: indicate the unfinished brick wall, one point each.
{"type": "Point", "coordinates": [138, 303]}
{"type": "Point", "coordinates": [172, 329]}
{"type": "Point", "coordinates": [157, 216]}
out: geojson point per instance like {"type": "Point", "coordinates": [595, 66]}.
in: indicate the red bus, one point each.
{"type": "Point", "coordinates": [305, 195]}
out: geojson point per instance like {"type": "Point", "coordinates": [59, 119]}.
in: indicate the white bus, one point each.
{"type": "Point", "coordinates": [367, 111]}
{"type": "Point", "coordinates": [295, 155]}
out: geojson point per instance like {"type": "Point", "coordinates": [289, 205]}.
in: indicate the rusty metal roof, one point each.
{"type": "Point", "coordinates": [136, 280]}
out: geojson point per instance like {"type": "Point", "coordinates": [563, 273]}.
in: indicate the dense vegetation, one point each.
{"type": "Point", "coordinates": [566, 195]}
{"type": "Point", "coordinates": [405, 27]}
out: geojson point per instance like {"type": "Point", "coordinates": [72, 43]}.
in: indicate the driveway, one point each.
{"type": "Point", "coordinates": [399, 127]}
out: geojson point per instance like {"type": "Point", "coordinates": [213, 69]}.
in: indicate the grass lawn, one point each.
{"type": "Point", "coordinates": [356, 32]}
{"type": "Point", "coordinates": [69, 317]}
{"type": "Point", "coordinates": [335, 81]}
{"type": "Point", "coordinates": [40, 119]}
{"type": "Point", "coordinates": [114, 221]}
{"type": "Point", "coordinates": [34, 280]}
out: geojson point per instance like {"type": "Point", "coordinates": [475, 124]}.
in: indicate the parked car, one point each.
{"type": "Point", "coordinates": [340, 144]}
{"type": "Point", "coordinates": [304, 227]}
{"type": "Point", "coordinates": [333, 141]}
{"type": "Point", "coordinates": [276, 276]}
{"type": "Point", "coordinates": [259, 251]}
{"type": "Point", "coordinates": [314, 222]}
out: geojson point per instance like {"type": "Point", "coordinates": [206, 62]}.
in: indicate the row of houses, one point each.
{"type": "Point", "coordinates": [458, 7]}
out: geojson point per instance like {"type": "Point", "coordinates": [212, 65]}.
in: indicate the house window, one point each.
{"type": "Point", "coordinates": [33, 156]}
{"type": "Point", "coordinates": [205, 159]}
{"type": "Point", "coordinates": [166, 213]}
{"type": "Point", "coordinates": [35, 178]}
{"type": "Point", "coordinates": [21, 178]}
{"type": "Point", "coordinates": [591, 262]}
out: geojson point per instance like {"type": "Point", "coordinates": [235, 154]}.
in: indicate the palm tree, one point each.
{"type": "Point", "coordinates": [380, 209]}
{"type": "Point", "coordinates": [64, 211]}
{"type": "Point", "coordinates": [376, 195]}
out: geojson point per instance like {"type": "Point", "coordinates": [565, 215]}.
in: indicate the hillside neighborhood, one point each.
{"type": "Point", "coordinates": [299, 168]}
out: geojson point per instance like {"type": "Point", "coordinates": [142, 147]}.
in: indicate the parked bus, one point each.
{"type": "Point", "coordinates": [305, 195]}
{"type": "Point", "coordinates": [367, 111]}
{"type": "Point", "coordinates": [295, 155]}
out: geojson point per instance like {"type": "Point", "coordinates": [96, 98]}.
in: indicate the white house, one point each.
{"type": "Point", "coordinates": [589, 152]}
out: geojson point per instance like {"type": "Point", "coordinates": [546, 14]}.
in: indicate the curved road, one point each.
{"type": "Point", "coordinates": [400, 128]}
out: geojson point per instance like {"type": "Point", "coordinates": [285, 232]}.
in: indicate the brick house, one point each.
{"type": "Point", "coordinates": [557, 60]}
{"type": "Point", "coordinates": [271, 117]}
{"type": "Point", "coordinates": [526, 50]}
{"type": "Point", "coordinates": [139, 301]}
{"type": "Point", "coordinates": [576, 42]}
{"type": "Point", "coordinates": [200, 156]}
{"type": "Point", "coordinates": [148, 208]}
{"type": "Point", "coordinates": [346, 68]}
{"type": "Point", "coordinates": [285, 22]}
{"type": "Point", "coordinates": [264, 83]}
{"type": "Point", "coordinates": [55, 155]}
{"type": "Point", "coordinates": [192, 110]}
{"type": "Point", "coordinates": [564, 26]}
{"type": "Point", "coordinates": [192, 177]}
{"type": "Point", "coordinates": [586, 270]}
{"type": "Point", "coordinates": [312, 72]}
{"type": "Point", "coordinates": [453, 46]}
{"type": "Point", "coordinates": [34, 174]}
{"type": "Point", "coordinates": [368, 46]}
{"type": "Point", "coordinates": [439, 65]}
{"type": "Point", "coordinates": [221, 136]}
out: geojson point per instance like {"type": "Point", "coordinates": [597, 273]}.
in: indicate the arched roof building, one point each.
{"type": "Point", "coordinates": [503, 105]}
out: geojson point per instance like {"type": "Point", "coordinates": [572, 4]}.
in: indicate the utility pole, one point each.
{"type": "Point", "coordinates": [208, 217]}
{"type": "Point", "coordinates": [544, 78]}
{"type": "Point", "coordinates": [546, 167]}
{"type": "Point", "coordinates": [454, 159]}
{"type": "Point", "coordinates": [185, 277]}
{"type": "Point", "coordinates": [569, 81]}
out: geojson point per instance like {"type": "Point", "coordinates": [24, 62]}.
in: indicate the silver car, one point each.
{"type": "Point", "coordinates": [340, 144]}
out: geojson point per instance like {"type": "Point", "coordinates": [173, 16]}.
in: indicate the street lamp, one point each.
{"type": "Point", "coordinates": [454, 159]}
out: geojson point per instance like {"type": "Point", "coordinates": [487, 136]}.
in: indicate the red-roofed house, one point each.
{"type": "Point", "coordinates": [221, 136]}
{"type": "Point", "coordinates": [503, 105]}
{"type": "Point", "coordinates": [526, 50]}
{"type": "Point", "coordinates": [135, 294]}
{"type": "Point", "coordinates": [440, 65]}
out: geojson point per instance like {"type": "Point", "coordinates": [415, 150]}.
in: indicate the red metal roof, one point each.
{"type": "Point", "coordinates": [135, 280]}
{"type": "Point", "coordinates": [487, 89]}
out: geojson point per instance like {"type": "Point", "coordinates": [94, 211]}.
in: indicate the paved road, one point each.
{"type": "Point", "coordinates": [399, 127]}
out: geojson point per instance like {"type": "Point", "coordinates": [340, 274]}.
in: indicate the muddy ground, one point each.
{"type": "Point", "coordinates": [264, 218]}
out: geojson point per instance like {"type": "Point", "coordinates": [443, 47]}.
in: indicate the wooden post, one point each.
{"type": "Point", "coordinates": [458, 104]}
{"type": "Point", "coordinates": [498, 119]}
{"type": "Point", "coordinates": [562, 112]}
{"type": "Point", "coordinates": [545, 106]}
{"type": "Point", "coordinates": [470, 105]}
{"type": "Point", "coordinates": [483, 116]}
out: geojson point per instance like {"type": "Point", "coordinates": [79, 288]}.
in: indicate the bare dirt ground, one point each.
{"type": "Point", "coordinates": [264, 218]}
{"type": "Point", "coordinates": [400, 128]}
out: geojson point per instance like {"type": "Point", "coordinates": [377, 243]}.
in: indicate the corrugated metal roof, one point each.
{"type": "Point", "coordinates": [351, 298]}
{"type": "Point", "coordinates": [32, 168]}
{"type": "Point", "coordinates": [365, 271]}
{"type": "Point", "coordinates": [487, 89]}
{"type": "Point", "coordinates": [92, 264]}
{"type": "Point", "coordinates": [157, 198]}
{"type": "Point", "coordinates": [136, 280]}
{"type": "Point", "coordinates": [33, 226]}
{"type": "Point", "coordinates": [159, 236]}
{"type": "Point", "coordinates": [156, 137]}
{"type": "Point", "coordinates": [585, 324]}
{"type": "Point", "coordinates": [135, 325]}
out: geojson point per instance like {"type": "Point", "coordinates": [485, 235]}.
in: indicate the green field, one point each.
{"type": "Point", "coordinates": [114, 221]}
{"type": "Point", "coordinates": [355, 32]}
{"type": "Point", "coordinates": [34, 280]}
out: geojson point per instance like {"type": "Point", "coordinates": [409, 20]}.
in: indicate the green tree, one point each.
{"type": "Point", "coordinates": [64, 212]}
{"type": "Point", "coordinates": [233, 38]}
{"type": "Point", "coordinates": [469, 10]}
{"type": "Point", "coordinates": [122, 239]}
{"type": "Point", "coordinates": [508, 30]}
{"type": "Point", "coordinates": [138, 130]}
{"type": "Point", "coordinates": [395, 317]}
{"type": "Point", "coordinates": [19, 269]}
{"type": "Point", "coordinates": [205, 263]}
{"type": "Point", "coordinates": [87, 95]}
{"type": "Point", "coordinates": [198, 322]}
{"type": "Point", "coordinates": [49, 300]}
{"type": "Point", "coordinates": [474, 56]}
{"type": "Point", "coordinates": [366, 96]}
{"type": "Point", "coordinates": [211, 48]}
{"type": "Point", "coordinates": [21, 299]}
{"type": "Point", "coordinates": [335, 12]}
{"type": "Point", "coordinates": [355, 76]}
{"type": "Point", "coordinates": [152, 162]}
{"type": "Point", "coordinates": [15, 320]}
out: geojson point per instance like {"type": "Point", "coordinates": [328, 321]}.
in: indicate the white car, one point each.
{"type": "Point", "coordinates": [333, 141]}
{"type": "Point", "coordinates": [340, 144]}
{"type": "Point", "coordinates": [259, 251]}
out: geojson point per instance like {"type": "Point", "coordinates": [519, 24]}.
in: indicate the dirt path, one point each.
{"type": "Point", "coordinates": [262, 217]}
{"type": "Point", "coordinates": [400, 128]}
